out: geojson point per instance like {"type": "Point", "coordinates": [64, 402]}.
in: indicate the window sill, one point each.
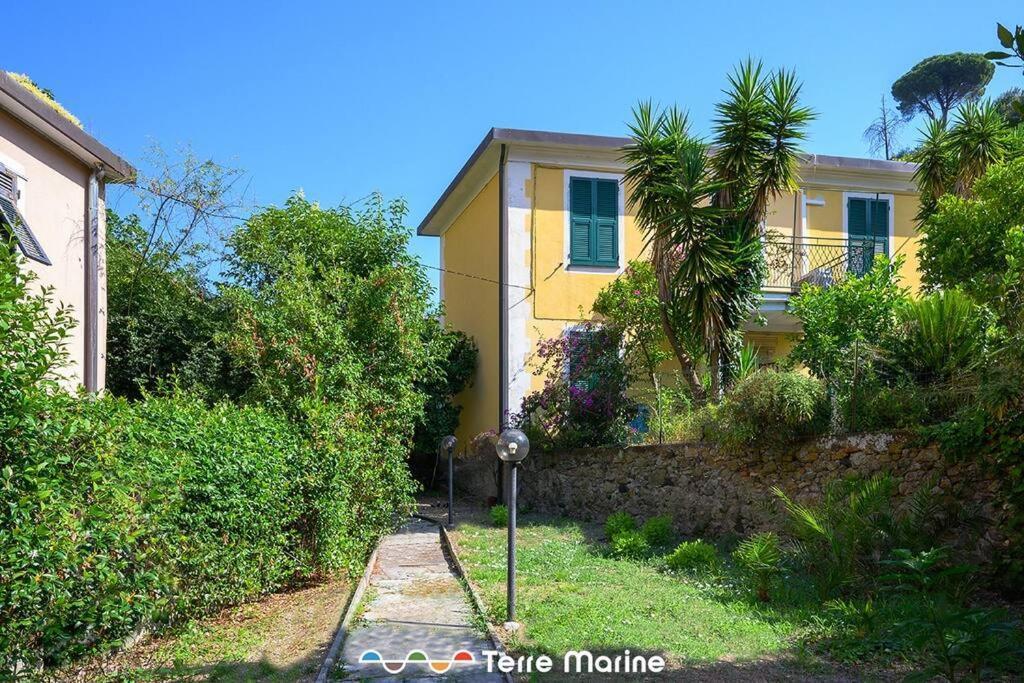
{"type": "Point", "coordinates": [605, 269]}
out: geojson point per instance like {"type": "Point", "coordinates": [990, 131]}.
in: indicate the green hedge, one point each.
{"type": "Point", "coordinates": [123, 514]}
{"type": "Point", "coordinates": [117, 516]}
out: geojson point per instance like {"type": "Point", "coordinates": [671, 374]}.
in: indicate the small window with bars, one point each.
{"type": "Point", "coordinates": [13, 224]}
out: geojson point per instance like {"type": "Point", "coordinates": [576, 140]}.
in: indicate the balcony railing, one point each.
{"type": "Point", "coordinates": [816, 260]}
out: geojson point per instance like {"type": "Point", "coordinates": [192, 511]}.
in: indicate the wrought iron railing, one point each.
{"type": "Point", "coordinates": [816, 260]}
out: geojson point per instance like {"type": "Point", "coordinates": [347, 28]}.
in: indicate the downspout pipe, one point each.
{"type": "Point", "coordinates": [93, 275]}
{"type": "Point", "coordinates": [502, 291]}
{"type": "Point", "coordinates": [502, 313]}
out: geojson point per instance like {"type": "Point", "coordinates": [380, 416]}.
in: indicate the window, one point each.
{"type": "Point", "coordinates": [12, 224]}
{"type": "Point", "coordinates": [867, 229]}
{"type": "Point", "coordinates": [593, 222]}
{"type": "Point", "coordinates": [581, 344]}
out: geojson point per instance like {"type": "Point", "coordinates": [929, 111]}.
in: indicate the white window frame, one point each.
{"type": "Point", "coordinates": [567, 175]}
{"type": "Point", "coordinates": [847, 196]}
{"type": "Point", "coordinates": [11, 167]}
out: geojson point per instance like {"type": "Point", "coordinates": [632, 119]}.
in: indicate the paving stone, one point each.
{"type": "Point", "coordinates": [415, 603]}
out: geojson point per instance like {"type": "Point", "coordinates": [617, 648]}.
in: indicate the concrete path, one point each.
{"type": "Point", "coordinates": [414, 603]}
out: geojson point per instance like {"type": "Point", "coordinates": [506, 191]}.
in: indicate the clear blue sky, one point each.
{"type": "Point", "coordinates": [340, 98]}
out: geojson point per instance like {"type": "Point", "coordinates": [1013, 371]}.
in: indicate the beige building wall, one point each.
{"type": "Point", "coordinates": [54, 189]}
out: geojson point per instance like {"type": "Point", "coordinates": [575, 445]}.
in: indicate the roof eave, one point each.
{"type": "Point", "coordinates": [534, 139]}
{"type": "Point", "coordinates": [34, 112]}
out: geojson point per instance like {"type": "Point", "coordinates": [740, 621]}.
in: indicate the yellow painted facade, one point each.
{"type": "Point", "coordinates": [547, 295]}
{"type": "Point", "coordinates": [470, 246]}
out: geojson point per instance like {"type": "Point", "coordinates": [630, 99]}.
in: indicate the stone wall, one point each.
{"type": "Point", "coordinates": [711, 492]}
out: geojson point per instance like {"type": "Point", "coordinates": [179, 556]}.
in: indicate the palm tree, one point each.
{"type": "Point", "coordinates": [951, 160]}
{"type": "Point", "coordinates": [702, 208]}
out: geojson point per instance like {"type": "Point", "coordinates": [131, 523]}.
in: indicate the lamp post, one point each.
{"type": "Point", "coordinates": [448, 446]}
{"type": "Point", "coordinates": [512, 447]}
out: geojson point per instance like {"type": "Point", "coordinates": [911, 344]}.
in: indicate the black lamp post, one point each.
{"type": "Point", "coordinates": [512, 447]}
{"type": "Point", "coordinates": [448, 446]}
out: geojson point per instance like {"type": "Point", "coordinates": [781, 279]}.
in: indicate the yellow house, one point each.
{"type": "Point", "coordinates": [535, 224]}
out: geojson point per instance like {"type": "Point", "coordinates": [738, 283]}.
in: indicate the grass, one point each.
{"type": "Point", "coordinates": [281, 638]}
{"type": "Point", "coordinates": [572, 596]}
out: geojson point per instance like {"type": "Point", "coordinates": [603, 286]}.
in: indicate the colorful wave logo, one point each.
{"type": "Point", "coordinates": [394, 666]}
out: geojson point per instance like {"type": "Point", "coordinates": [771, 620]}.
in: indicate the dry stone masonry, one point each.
{"type": "Point", "coordinates": [710, 492]}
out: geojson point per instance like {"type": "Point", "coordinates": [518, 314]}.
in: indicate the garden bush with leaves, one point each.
{"type": "Point", "coordinates": [584, 401]}
{"type": "Point", "coordinates": [631, 545]}
{"type": "Point", "coordinates": [770, 407]}
{"type": "Point", "coordinates": [121, 515]}
{"type": "Point", "coordinates": [960, 642]}
{"type": "Point", "coordinates": [759, 558]}
{"type": "Point", "coordinates": [618, 523]}
{"type": "Point", "coordinates": [499, 516]}
{"type": "Point", "coordinates": [693, 556]}
{"type": "Point", "coordinates": [842, 321]}
{"type": "Point", "coordinates": [164, 319]}
{"type": "Point", "coordinates": [658, 531]}
{"type": "Point", "coordinates": [116, 515]}
{"type": "Point", "coordinates": [331, 320]}
{"type": "Point", "coordinates": [842, 538]}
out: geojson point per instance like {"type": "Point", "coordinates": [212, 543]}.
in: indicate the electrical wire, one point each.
{"type": "Point", "coordinates": [476, 277]}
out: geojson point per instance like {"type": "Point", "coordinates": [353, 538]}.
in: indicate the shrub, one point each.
{"type": "Point", "coordinates": [693, 556]}
{"type": "Point", "coordinates": [760, 558]}
{"type": "Point", "coordinates": [619, 523]}
{"type": "Point", "coordinates": [584, 401]}
{"type": "Point", "coordinates": [940, 338]}
{"type": "Point", "coordinates": [330, 317]}
{"type": "Point", "coordinates": [457, 355]}
{"type": "Point", "coordinates": [841, 538]}
{"type": "Point", "coordinates": [630, 545]}
{"type": "Point", "coordinates": [117, 514]}
{"type": "Point", "coordinates": [658, 531]}
{"type": "Point", "coordinates": [163, 317]}
{"type": "Point", "coordinates": [960, 642]}
{"type": "Point", "coordinates": [857, 311]}
{"type": "Point", "coordinates": [499, 515]}
{"type": "Point", "coordinates": [771, 407]}
{"type": "Point", "coordinates": [124, 514]}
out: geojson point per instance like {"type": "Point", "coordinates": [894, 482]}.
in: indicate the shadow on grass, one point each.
{"type": "Point", "coordinates": [795, 606]}
{"type": "Point", "coordinates": [304, 669]}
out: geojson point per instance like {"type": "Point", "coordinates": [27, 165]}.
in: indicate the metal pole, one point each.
{"type": "Point", "coordinates": [511, 589]}
{"type": "Point", "coordinates": [451, 489]}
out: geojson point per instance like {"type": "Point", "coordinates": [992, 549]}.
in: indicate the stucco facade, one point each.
{"type": "Point", "coordinates": [505, 219]}
{"type": "Point", "coordinates": [60, 193]}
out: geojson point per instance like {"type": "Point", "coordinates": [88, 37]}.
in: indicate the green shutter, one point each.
{"type": "Point", "coordinates": [879, 212]}
{"type": "Point", "coordinates": [867, 219]}
{"type": "Point", "coordinates": [606, 222]}
{"type": "Point", "coordinates": [581, 214]}
{"type": "Point", "coordinates": [593, 222]}
{"type": "Point", "coordinates": [857, 218]}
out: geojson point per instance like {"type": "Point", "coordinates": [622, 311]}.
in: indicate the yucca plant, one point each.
{"type": "Point", "coordinates": [701, 206]}
{"type": "Point", "coordinates": [747, 363]}
{"type": "Point", "coordinates": [950, 160]}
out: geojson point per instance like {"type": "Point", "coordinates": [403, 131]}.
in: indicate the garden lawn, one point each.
{"type": "Point", "coordinates": [571, 597]}
{"type": "Point", "coordinates": [283, 637]}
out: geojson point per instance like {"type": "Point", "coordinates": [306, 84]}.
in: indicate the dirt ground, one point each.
{"type": "Point", "coordinates": [283, 637]}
